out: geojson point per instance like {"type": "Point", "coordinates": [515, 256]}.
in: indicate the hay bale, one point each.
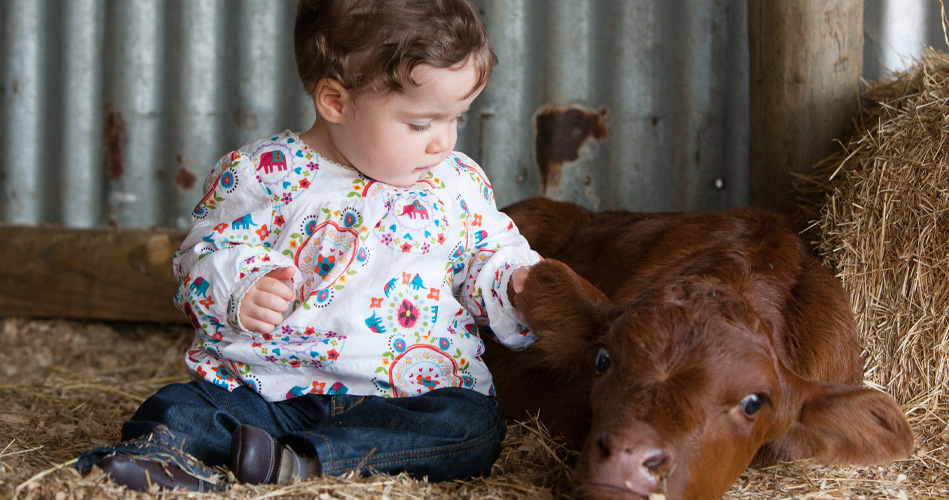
{"type": "Point", "coordinates": [884, 228]}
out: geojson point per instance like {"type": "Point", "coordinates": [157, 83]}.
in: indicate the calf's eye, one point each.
{"type": "Point", "coordinates": [602, 361]}
{"type": "Point", "coordinates": [751, 405]}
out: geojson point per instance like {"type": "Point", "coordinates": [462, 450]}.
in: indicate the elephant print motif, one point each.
{"type": "Point", "coordinates": [200, 287]}
{"type": "Point", "coordinates": [415, 223]}
{"type": "Point", "coordinates": [389, 286]}
{"type": "Point", "coordinates": [272, 159]}
{"type": "Point", "coordinates": [417, 282]}
{"type": "Point", "coordinates": [283, 169]}
{"type": "Point", "coordinates": [243, 223]}
{"type": "Point", "coordinates": [479, 238]}
{"type": "Point", "coordinates": [375, 324]}
{"type": "Point", "coordinates": [318, 388]}
{"type": "Point", "coordinates": [415, 210]}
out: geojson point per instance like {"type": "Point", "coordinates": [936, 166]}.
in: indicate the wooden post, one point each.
{"type": "Point", "coordinates": [806, 62]}
{"type": "Point", "coordinates": [89, 274]}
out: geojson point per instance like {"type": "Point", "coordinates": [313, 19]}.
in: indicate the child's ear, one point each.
{"type": "Point", "coordinates": [331, 100]}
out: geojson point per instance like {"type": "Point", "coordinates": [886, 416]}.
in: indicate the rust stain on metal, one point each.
{"type": "Point", "coordinates": [186, 179]}
{"type": "Point", "coordinates": [560, 134]}
{"type": "Point", "coordinates": [114, 142]}
{"type": "Point", "coordinates": [245, 118]}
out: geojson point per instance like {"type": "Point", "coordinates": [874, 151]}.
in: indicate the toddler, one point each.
{"type": "Point", "coordinates": [340, 280]}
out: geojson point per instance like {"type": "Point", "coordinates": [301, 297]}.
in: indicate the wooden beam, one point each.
{"type": "Point", "coordinates": [88, 274]}
{"type": "Point", "coordinates": [806, 63]}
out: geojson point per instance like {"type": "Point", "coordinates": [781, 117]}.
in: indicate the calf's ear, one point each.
{"type": "Point", "coordinates": [845, 425]}
{"type": "Point", "coordinates": [565, 312]}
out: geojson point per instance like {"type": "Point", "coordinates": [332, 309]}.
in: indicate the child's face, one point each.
{"type": "Point", "coordinates": [397, 137]}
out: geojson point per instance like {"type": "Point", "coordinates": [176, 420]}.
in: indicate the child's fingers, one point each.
{"type": "Point", "coordinates": [271, 302]}
{"type": "Point", "coordinates": [256, 325]}
{"type": "Point", "coordinates": [516, 285]}
{"type": "Point", "coordinates": [258, 313]}
{"type": "Point", "coordinates": [276, 287]}
{"type": "Point", "coordinates": [284, 273]}
{"type": "Point", "coordinates": [519, 278]}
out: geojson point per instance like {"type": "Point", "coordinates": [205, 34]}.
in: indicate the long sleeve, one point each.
{"type": "Point", "coordinates": [227, 249]}
{"type": "Point", "coordinates": [496, 249]}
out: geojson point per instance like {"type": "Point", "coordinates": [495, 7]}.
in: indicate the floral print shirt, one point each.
{"type": "Point", "coordinates": [393, 285]}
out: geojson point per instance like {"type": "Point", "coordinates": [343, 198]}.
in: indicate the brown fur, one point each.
{"type": "Point", "coordinates": [697, 312]}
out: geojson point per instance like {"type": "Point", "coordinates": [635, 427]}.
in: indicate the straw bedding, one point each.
{"type": "Point", "coordinates": [68, 386]}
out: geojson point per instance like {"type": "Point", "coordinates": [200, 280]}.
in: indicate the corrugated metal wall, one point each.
{"type": "Point", "coordinates": [113, 111]}
{"type": "Point", "coordinates": [895, 32]}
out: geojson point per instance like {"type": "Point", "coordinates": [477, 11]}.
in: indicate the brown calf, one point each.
{"type": "Point", "coordinates": [677, 349]}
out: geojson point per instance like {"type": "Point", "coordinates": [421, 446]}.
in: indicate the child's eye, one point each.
{"type": "Point", "coordinates": [461, 118]}
{"type": "Point", "coordinates": [420, 128]}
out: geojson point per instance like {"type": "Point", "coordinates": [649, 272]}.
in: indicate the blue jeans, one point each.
{"type": "Point", "coordinates": [445, 434]}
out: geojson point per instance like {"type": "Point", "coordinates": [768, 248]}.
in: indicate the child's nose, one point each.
{"type": "Point", "coordinates": [441, 142]}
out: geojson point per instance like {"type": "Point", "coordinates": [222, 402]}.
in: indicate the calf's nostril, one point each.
{"type": "Point", "coordinates": [658, 461]}
{"type": "Point", "coordinates": [603, 443]}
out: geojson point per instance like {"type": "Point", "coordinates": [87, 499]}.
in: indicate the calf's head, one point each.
{"type": "Point", "coordinates": [686, 388]}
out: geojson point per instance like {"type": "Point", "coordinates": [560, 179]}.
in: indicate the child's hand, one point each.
{"type": "Point", "coordinates": [263, 305]}
{"type": "Point", "coordinates": [516, 284]}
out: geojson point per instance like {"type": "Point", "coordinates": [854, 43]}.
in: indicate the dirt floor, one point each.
{"type": "Point", "coordinates": [68, 386]}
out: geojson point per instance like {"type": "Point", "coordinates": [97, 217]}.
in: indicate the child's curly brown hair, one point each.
{"type": "Point", "coordinates": [375, 44]}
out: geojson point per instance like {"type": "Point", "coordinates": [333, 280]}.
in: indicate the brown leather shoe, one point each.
{"type": "Point", "coordinates": [140, 474]}
{"type": "Point", "coordinates": [258, 458]}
